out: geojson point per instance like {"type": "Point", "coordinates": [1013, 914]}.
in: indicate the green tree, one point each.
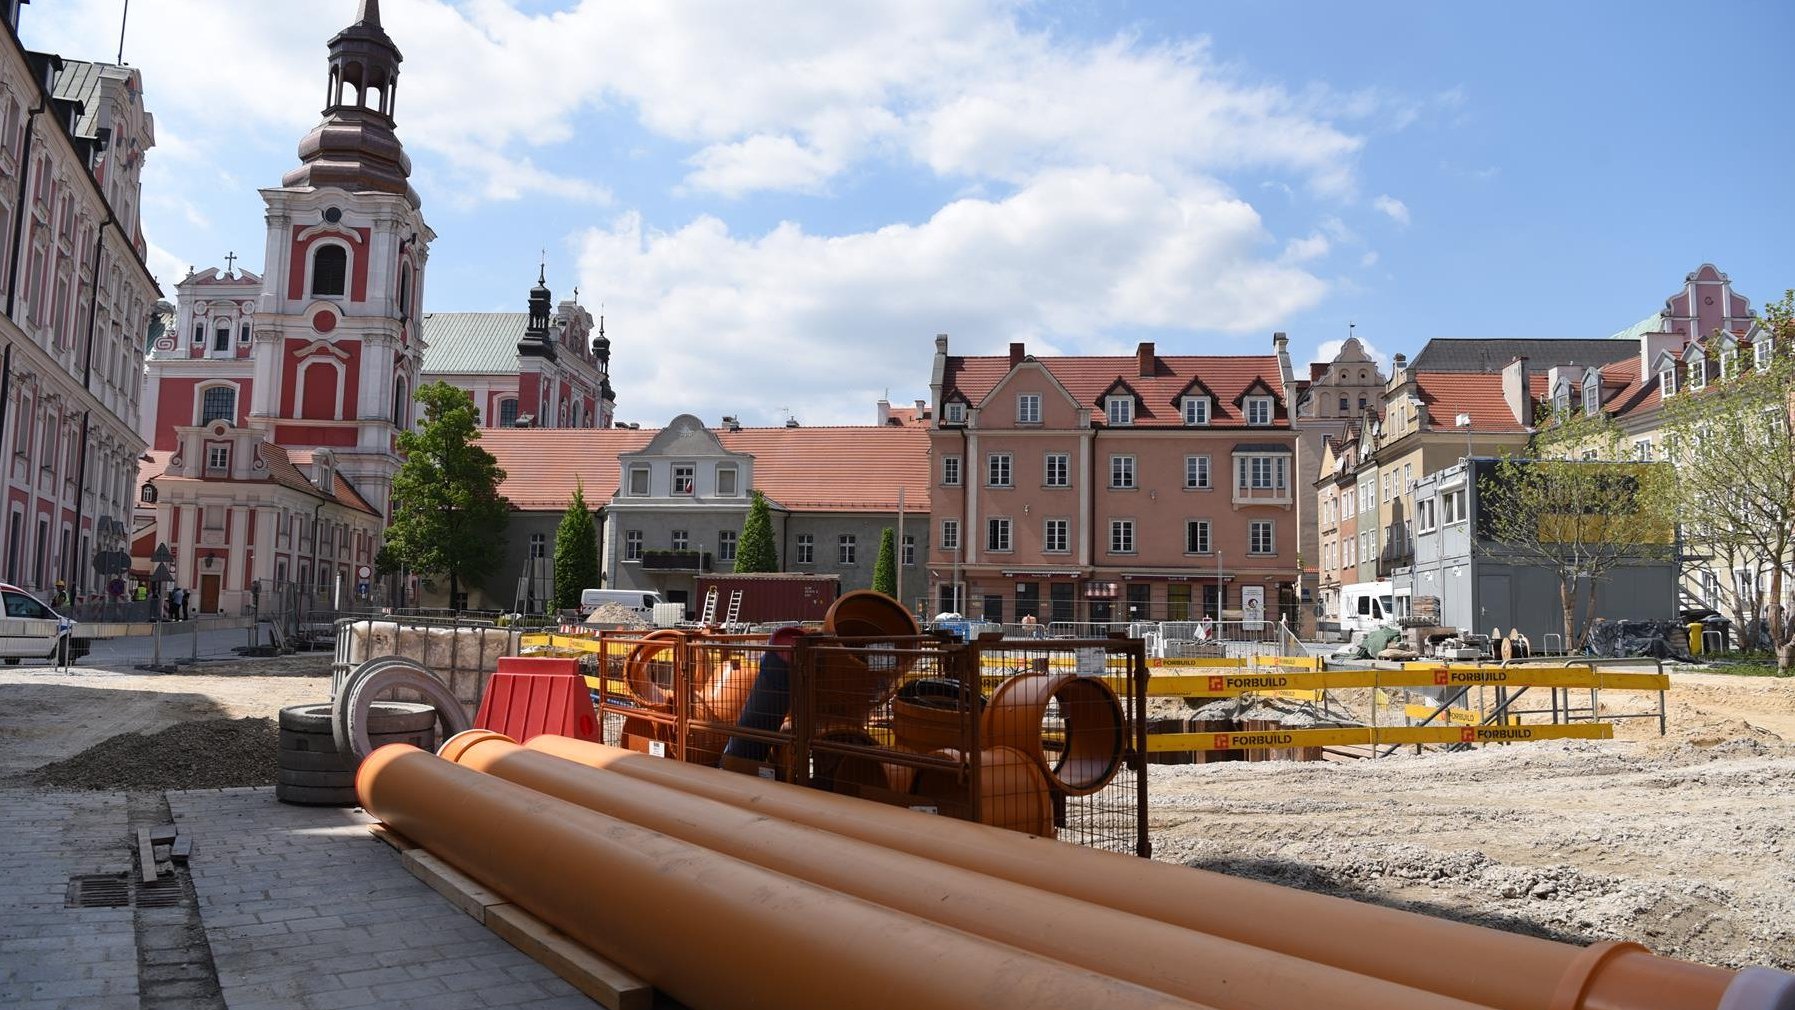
{"type": "Point", "coordinates": [885, 569]}
{"type": "Point", "coordinates": [576, 552]}
{"type": "Point", "coordinates": [1571, 503]}
{"type": "Point", "coordinates": [755, 552]}
{"type": "Point", "coordinates": [448, 515]}
{"type": "Point", "coordinates": [1733, 445]}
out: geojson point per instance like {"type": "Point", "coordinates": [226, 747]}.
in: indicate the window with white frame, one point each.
{"type": "Point", "coordinates": [1121, 536]}
{"type": "Point", "coordinates": [997, 469]}
{"type": "Point", "coordinates": [1270, 473]}
{"type": "Point", "coordinates": [1592, 394]}
{"type": "Point", "coordinates": [1452, 507]}
{"type": "Point", "coordinates": [1056, 538]}
{"type": "Point", "coordinates": [685, 478]}
{"type": "Point", "coordinates": [1196, 536]}
{"type": "Point", "coordinates": [806, 549]}
{"type": "Point", "coordinates": [218, 403]}
{"type": "Point", "coordinates": [538, 545]}
{"type": "Point", "coordinates": [1259, 411]}
{"type": "Point", "coordinates": [1642, 450]}
{"type": "Point", "coordinates": [1346, 553]}
{"type": "Point", "coordinates": [1057, 470]}
{"type": "Point", "coordinates": [681, 540]}
{"type": "Point", "coordinates": [1561, 398]}
{"type": "Point", "coordinates": [1259, 537]}
{"type": "Point", "coordinates": [1698, 372]}
{"type": "Point", "coordinates": [1196, 473]}
{"type": "Point", "coordinates": [218, 457]}
{"type": "Point", "coordinates": [1196, 410]}
{"type": "Point", "coordinates": [1119, 410]}
{"type": "Point", "coordinates": [846, 549]}
{"type": "Point", "coordinates": [1121, 472]}
{"type": "Point", "coordinates": [997, 534]}
{"type": "Point", "coordinates": [1667, 380]}
{"type": "Point", "coordinates": [1028, 408]}
{"type": "Point", "coordinates": [726, 483]}
{"type": "Point", "coordinates": [1368, 494]}
{"type": "Point", "coordinates": [632, 545]}
{"type": "Point", "coordinates": [950, 534]}
{"type": "Point", "coordinates": [1408, 478]}
{"type": "Point", "coordinates": [954, 412]}
{"type": "Point", "coordinates": [950, 471]}
{"type": "Point", "coordinates": [1760, 352]}
{"type": "Point", "coordinates": [726, 545]}
{"type": "Point", "coordinates": [1729, 363]}
{"type": "Point", "coordinates": [1426, 515]}
{"type": "Point", "coordinates": [1588, 455]}
{"type": "Point", "coordinates": [909, 549]}
{"type": "Point", "coordinates": [638, 481]}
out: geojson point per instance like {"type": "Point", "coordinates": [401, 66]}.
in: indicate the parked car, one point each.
{"type": "Point", "coordinates": [31, 630]}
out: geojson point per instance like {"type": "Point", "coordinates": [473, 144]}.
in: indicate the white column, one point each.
{"type": "Point", "coordinates": [1083, 470]}
{"type": "Point", "coordinates": [972, 471]}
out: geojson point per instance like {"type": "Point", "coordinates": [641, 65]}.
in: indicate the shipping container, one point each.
{"type": "Point", "coordinates": [771, 597]}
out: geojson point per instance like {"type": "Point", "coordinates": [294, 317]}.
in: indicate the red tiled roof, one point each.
{"type": "Point", "coordinates": [904, 416]}
{"type": "Point", "coordinates": [281, 469]}
{"type": "Point", "coordinates": [1087, 379]}
{"type": "Point", "coordinates": [817, 469]}
{"type": "Point", "coordinates": [1449, 394]}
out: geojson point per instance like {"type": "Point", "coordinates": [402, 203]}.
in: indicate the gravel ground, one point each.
{"type": "Point", "coordinates": [1685, 843]}
{"type": "Point", "coordinates": [204, 754]}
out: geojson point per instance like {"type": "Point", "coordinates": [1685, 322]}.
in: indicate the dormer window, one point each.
{"type": "Point", "coordinates": [953, 412]}
{"type": "Point", "coordinates": [1729, 363]}
{"type": "Point", "coordinates": [218, 458]}
{"type": "Point", "coordinates": [1196, 410]}
{"type": "Point", "coordinates": [1760, 351]}
{"type": "Point", "coordinates": [1119, 410]}
{"type": "Point", "coordinates": [1561, 398]}
{"type": "Point", "coordinates": [1698, 373]}
{"type": "Point", "coordinates": [1592, 394]}
{"type": "Point", "coordinates": [1259, 411]}
{"type": "Point", "coordinates": [1667, 380]}
{"type": "Point", "coordinates": [1028, 408]}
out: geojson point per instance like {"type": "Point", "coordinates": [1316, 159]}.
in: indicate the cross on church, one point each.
{"type": "Point", "coordinates": [230, 261]}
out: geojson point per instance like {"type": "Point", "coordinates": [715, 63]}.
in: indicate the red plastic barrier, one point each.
{"type": "Point", "coordinates": [532, 696]}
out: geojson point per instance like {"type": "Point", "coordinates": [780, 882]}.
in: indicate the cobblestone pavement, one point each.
{"type": "Point", "coordinates": [303, 909]}
{"type": "Point", "coordinates": [52, 956]}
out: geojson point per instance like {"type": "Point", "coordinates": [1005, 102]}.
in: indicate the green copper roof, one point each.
{"type": "Point", "coordinates": [471, 343]}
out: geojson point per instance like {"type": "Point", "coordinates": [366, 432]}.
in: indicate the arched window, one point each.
{"type": "Point", "coordinates": [330, 269]}
{"type": "Point", "coordinates": [320, 392]}
{"type": "Point", "coordinates": [405, 291]}
{"type": "Point", "coordinates": [218, 403]}
{"type": "Point", "coordinates": [508, 413]}
{"type": "Point", "coordinates": [401, 402]}
{"type": "Point", "coordinates": [1344, 405]}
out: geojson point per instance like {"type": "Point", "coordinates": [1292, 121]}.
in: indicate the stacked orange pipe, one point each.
{"type": "Point", "coordinates": [712, 931]}
{"type": "Point", "coordinates": [1193, 966]}
{"type": "Point", "coordinates": [1470, 963]}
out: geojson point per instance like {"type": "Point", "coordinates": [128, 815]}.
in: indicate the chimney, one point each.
{"type": "Point", "coordinates": [1016, 354]}
{"type": "Point", "coordinates": [1653, 344]}
{"type": "Point", "coordinates": [884, 412]}
{"type": "Point", "coordinates": [1399, 364]}
{"type": "Point", "coordinates": [1280, 343]}
{"type": "Point", "coordinates": [1514, 391]}
{"type": "Point", "coordinates": [1144, 363]}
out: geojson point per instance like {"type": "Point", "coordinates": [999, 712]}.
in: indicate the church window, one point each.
{"type": "Point", "coordinates": [508, 413]}
{"type": "Point", "coordinates": [221, 338]}
{"type": "Point", "coordinates": [199, 334]}
{"type": "Point", "coordinates": [218, 403]}
{"type": "Point", "coordinates": [243, 332]}
{"type": "Point", "coordinates": [330, 270]}
{"type": "Point", "coordinates": [401, 402]}
{"type": "Point", "coordinates": [405, 291]}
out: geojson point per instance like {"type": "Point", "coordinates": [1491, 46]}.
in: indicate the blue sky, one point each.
{"type": "Point", "coordinates": [780, 203]}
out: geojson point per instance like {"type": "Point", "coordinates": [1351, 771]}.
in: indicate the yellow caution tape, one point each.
{"type": "Point", "coordinates": [1348, 736]}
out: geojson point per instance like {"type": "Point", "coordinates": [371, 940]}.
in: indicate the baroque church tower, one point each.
{"type": "Point", "coordinates": [336, 337]}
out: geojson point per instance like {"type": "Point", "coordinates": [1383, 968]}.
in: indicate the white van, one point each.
{"type": "Point", "coordinates": [28, 629]}
{"type": "Point", "coordinates": [642, 601]}
{"type": "Point", "coordinates": [1366, 606]}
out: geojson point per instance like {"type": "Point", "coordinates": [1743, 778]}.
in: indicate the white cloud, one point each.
{"type": "Point", "coordinates": [748, 324]}
{"type": "Point", "coordinates": [1302, 250]}
{"type": "Point", "coordinates": [1369, 259]}
{"type": "Point", "coordinates": [1395, 209]}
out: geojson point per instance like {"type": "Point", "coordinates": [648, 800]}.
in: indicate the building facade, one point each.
{"type": "Point", "coordinates": [277, 400]}
{"type": "Point", "coordinates": [1108, 489]}
{"type": "Point", "coordinates": [78, 300]}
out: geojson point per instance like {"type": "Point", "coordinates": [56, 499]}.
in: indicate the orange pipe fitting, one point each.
{"type": "Point", "coordinates": [1013, 791]}
{"type": "Point", "coordinates": [638, 673]}
{"type": "Point", "coordinates": [852, 679]}
{"type": "Point", "coordinates": [1506, 971]}
{"type": "Point", "coordinates": [1094, 727]}
{"type": "Point", "coordinates": [713, 932]}
{"type": "Point", "coordinates": [1192, 966]}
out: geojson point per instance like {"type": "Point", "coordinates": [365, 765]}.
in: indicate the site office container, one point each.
{"type": "Point", "coordinates": [771, 597]}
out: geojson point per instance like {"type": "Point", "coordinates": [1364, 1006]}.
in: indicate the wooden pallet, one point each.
{"type": "Point", "coordinates": [598, 978]}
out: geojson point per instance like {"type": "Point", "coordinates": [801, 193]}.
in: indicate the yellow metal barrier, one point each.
{"type": "Point", "coordinates": [1453, 716]}
{"type": "Point", "coordinates": [1216, 684]}
{"type": "Point", "coordinates": [1348, 736]}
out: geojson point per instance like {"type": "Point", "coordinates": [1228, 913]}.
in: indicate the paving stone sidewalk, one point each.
{"type": "Point", "coordinates": [53, 957]}
{"type": "Point", "coordinates": [303, 909]}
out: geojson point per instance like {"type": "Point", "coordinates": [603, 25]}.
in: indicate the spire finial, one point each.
{"type": "Point", "coordinates": [542, 270]}
{"type": "Point", "coordinates": [369, 13]}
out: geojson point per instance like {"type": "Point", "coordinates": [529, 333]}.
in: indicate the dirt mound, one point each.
{"type": "Point", "coordinates": [205, 754]}
{"type": "Point", "coordinates": [616, 615]}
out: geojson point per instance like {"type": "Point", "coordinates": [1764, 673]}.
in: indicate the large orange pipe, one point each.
{"type": "Point", "coordinates": [1194, 966]}
{"type": "Point", "coordinates": [713, 932]}
{"type": "Point", "coordinates": [1471, 963]}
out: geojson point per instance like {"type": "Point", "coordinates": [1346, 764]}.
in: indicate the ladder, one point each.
{"type": "Point", "coordinates": [735, 607]}
{"type": "Point", "coordinates": [710, 607]}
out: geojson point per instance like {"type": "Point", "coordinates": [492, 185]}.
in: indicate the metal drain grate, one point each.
{"type": "Point", "coordinates": [165, 892]}
{"type": "Point", "coordinates": [98, 890]}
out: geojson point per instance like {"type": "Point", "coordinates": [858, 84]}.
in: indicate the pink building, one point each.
{"type": "Point", "coordinates": [1112, 488]}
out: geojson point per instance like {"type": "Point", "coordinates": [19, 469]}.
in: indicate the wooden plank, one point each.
{"type": "Point", "coordinates": [146, 855]}
{"type": "Point", "coordinates": [463, 891]}
{"type": "Point", "coordinates": [598, 978]}
{"type": "Point", "coordinates": [390, 837]}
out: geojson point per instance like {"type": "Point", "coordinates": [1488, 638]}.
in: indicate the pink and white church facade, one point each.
{"type": "Point", "coordinates": [274, 403]}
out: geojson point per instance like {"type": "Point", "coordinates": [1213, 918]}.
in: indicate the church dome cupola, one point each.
{"type": "Point", "coordinates": [601, 344]}
{"type": "Point", "coordinates": [536, 339]}
{"type": "Point", "coordinates": [355, 148]}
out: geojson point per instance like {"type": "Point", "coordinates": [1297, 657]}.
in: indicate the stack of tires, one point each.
{"type": "Point", "coordinates": [312, 772]}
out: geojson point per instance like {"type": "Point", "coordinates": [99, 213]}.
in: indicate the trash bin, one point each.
{"type": "Point", "coordinates": [1695, 638]}
{"type": "Point", "coordinates": [1717, 634]}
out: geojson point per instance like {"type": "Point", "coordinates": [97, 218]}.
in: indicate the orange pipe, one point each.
{"type": "Point", "coordinates": [1472, 963]}
{"type": "Point", "coordinates": [713, 932]}
{"type": "Point", "coordinates": [1013, 790]}
{"type": "Point", "coordinates": [1193, 966]}
{"type": "Point", "coordinates": [1095, 735]}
